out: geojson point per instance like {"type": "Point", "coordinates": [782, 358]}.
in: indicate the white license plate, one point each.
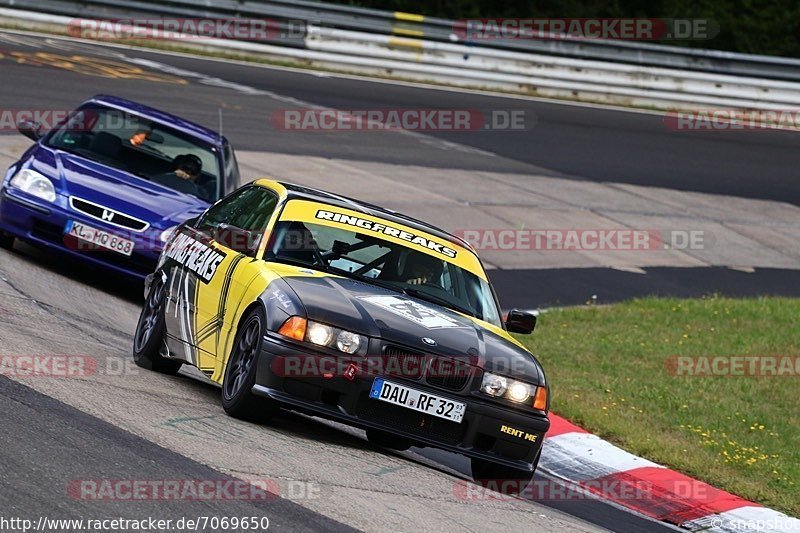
{"type": "Point", "coordinates": [423, 402]}
{"type": "Point", "coordinates": [94, 239]}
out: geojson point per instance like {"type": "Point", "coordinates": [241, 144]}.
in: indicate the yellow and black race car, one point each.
{"type": "Point", "coordinates": [293, 297]}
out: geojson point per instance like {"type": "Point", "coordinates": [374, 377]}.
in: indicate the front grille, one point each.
{"type": "Point", "coordinates": [403, 363]}
{"type": "Point", "coordinates": [107, 215]}
{"type": "Point", "coordinates": [410, 421]}
{"type": "Point", "coordinates": [448, 373]}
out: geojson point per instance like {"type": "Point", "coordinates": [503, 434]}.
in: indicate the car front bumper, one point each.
{"type": "Point", "coordinates": [487, 431]}
{"type": "Point", "coordinates": [42, 224]}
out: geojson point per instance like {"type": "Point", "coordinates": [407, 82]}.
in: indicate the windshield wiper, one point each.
{"type": "Point", "coordinates": [422, 295]}
{"type": "Point", "coordinates": [298, 263]}
{"type": "Point", "coordinates": [365, 279]}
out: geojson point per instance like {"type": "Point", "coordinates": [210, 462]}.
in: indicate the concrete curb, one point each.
{"type": "Point", "coordinates": [585, 460]}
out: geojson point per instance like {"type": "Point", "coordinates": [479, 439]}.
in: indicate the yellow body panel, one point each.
{"type": "Point", "coordinates": [221, 303]}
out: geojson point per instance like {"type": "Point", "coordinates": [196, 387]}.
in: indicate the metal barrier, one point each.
{"type": "Point", "coordinates": [431, 49]}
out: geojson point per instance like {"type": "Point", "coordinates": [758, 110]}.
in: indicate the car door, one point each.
{"type": "Point", "coordinates": [236, 227]}
{"type": "Point", "coordinates": [213, 259]}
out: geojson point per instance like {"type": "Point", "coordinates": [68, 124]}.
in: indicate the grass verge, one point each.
{"type": "Point", "coordinates": [612, 371]}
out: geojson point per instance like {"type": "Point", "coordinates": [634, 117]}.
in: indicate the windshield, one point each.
{"type": "Point", "coordinates": [142, 147]}
{"type": "Point", "coordinates": [381, 262]}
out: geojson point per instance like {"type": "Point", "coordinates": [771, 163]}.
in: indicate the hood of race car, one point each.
{"type": "Point", "coordinates": [397, 318]}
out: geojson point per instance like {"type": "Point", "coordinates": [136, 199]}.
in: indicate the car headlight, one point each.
{"type": "Point", "coordinates": [348, 342]}
{"type": "Point", "coordinates": [319, 334]}
{"type": "Point", "coordinates": [35, 184]}
{"type": "Point", "coordinates": [494, 385]}
{"type": "Point", "coordinates": [516, 391]}
{"type": "Point", "coordinates": [298, 328]}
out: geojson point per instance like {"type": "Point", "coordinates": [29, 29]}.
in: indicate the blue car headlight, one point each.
{"type": "Point", "coordinates": [35, 184]}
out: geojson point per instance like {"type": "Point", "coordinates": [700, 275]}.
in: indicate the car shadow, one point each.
{"type": "Point", "coordinates": [288, 422]}
{"type": "Point", "coordinates": [78, 271]}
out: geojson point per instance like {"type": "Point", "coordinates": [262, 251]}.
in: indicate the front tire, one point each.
{"type": "Point", "coordinates": [150, 330]}
{"type": "Point", "coordinates": [238, 399]}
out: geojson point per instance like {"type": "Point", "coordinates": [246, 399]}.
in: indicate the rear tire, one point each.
{"type": "Point", "coordinates": [238, 399]}
{"type": "Point", "coordinates": [387, 440]}
{"type": "Point", "coordinates": [150, 330]}
{"type": "Point", "coordinates": [6, 240]}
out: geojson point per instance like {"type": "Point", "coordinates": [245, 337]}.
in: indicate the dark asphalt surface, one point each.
{"type": "Point", "coordinates": [529, 289]}
{"type": "Point", "coordinates": [565, 141]}
{"type": "Point", "coordinates": [47, 446]}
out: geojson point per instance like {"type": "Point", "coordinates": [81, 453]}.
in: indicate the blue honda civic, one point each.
{"type": "Point", "coordinates": [108, 184]}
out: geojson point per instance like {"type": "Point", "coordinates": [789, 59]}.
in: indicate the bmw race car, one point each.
{"type": "Point", "coordinates": [108, 184]}
{"type": "Point", "coordinates": [293, 297]}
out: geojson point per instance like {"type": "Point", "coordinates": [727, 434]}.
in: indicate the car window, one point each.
{"type": "Point", "coordinates": [140, 146]}
{"type": "Point", "coordinates": [382, 262]}
{"type": "Point", "coordinates": [249, 209]}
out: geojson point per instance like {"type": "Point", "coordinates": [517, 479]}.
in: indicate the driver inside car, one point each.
{"type": "Point", "coordinates": [187, 169]}
{"type": "Point", "coordinates": [421, 269]}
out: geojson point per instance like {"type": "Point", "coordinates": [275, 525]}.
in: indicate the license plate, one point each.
{"type": "Point", "coordinates": [423, 402]}
{"type": "Point", "coordinates": [95, 239]}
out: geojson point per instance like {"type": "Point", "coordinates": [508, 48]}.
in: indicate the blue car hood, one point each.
{"type": "Point", "coordinates": [116, 189]}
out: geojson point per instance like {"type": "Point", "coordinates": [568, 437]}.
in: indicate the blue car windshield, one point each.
{"type": "Point", "coordinates": [142, 147]}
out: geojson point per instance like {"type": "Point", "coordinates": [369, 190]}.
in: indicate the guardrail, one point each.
{"type": "Point", "coordinates": [430, 49]}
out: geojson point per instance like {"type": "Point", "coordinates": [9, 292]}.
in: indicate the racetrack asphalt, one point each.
{"type": "Point", "coordinates": [96, 316]}
{"type": "Point", "coordinates": [49, 448]}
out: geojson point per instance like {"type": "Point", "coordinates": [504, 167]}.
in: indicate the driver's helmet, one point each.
{"type": "Point", "coordinates": [420, 265]}
{"type": "Point", "coordinates": [188, 166]}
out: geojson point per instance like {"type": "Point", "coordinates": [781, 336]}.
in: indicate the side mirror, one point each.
{"type": "Point", "coordinates": [30, 129]}
{"type": "Point", "coordinates": [238, 239]}
{"type": "Point", "coordinates": [520, 322]}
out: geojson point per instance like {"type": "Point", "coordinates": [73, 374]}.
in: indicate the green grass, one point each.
{"type": "Point", "coordinates": [608, 372]}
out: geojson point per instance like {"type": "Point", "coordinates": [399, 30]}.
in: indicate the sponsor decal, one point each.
{"type": "Point", "coordinates": [415, 312]}
{"type": "Point", "coordinates": [519, 433]}
{"type": "Point", "coordinates": [387, 230]}
{"type": "Point", "coordinates": [281, 297]}
{"type": "Point", "coordinates": [196, 256]}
